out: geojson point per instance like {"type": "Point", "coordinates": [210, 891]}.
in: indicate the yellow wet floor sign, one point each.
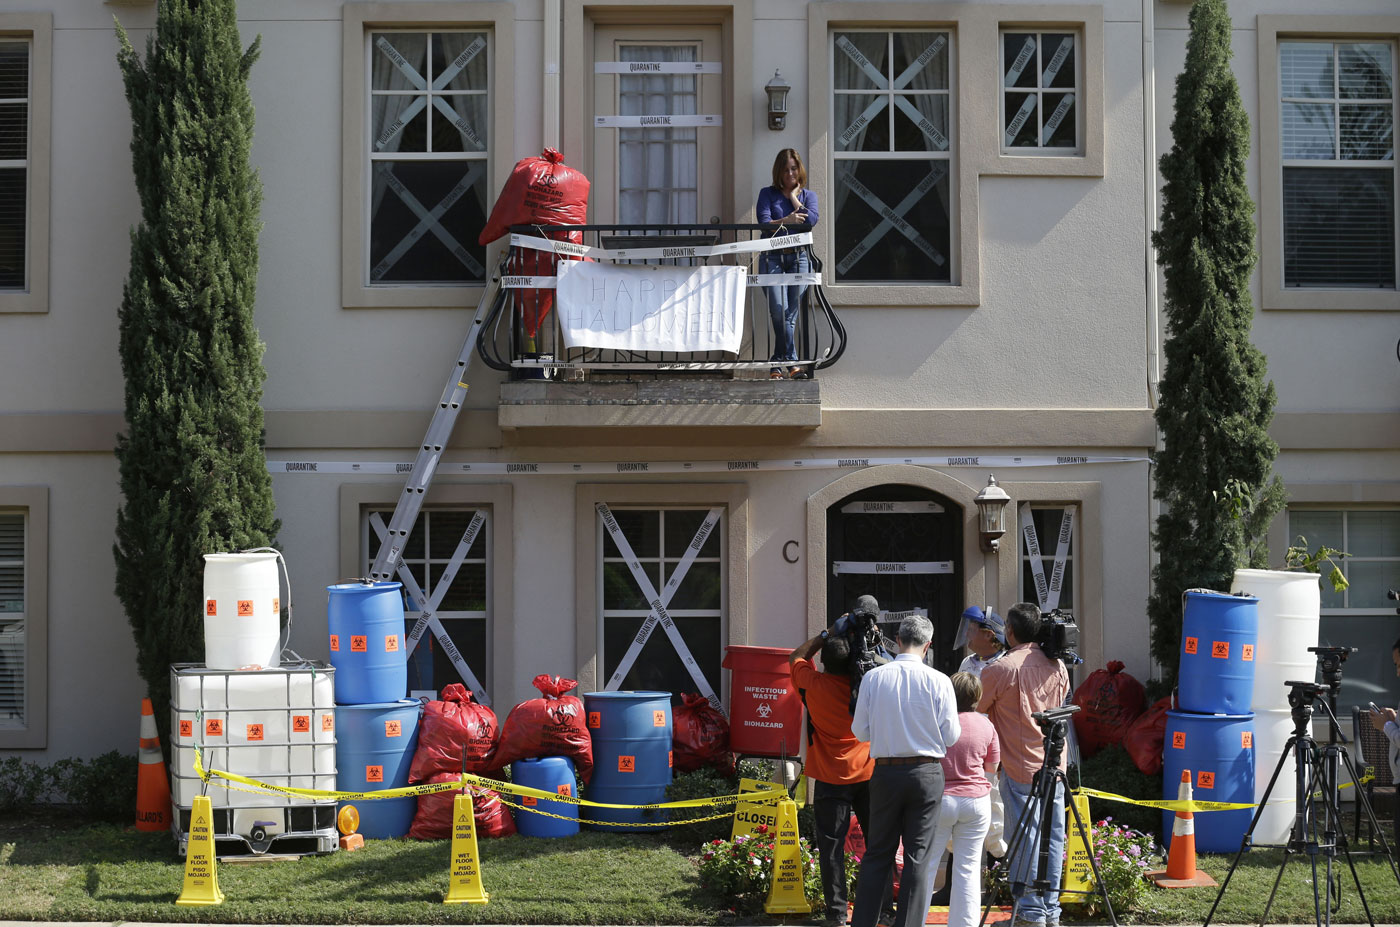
{"type": "Point", "coordinates": [464, 879]}
{"type": "Point", "coordinates": [748, 815]}
{"type": "Point", "coordinates": [201, 877]}
{"type": "Point", "coordinates": [1079, 873]}
{"type": "Point", "coordinates": [786, 894]}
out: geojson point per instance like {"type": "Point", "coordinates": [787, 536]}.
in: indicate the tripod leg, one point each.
{"type": "Point", "coordinates": [1245, 837]}
{"type": "Point", "coordinates": [1364, 803]}
{"type": "Point", "coordinates": [1093, 863]}
{"type": "Point", "coordinates": [1339, 834]}
{"type": "Point", "coordinates": [1013, 847]}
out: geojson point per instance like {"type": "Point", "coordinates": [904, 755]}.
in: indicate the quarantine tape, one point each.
{"type": "Point", "coordinates": [1197, 805]}
{"type": "Point", "coordinates": [751, 246]}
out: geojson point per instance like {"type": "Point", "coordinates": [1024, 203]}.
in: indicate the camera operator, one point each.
{"type": "Point", "coordinates": [1021, 683]}
{"type": "Point", "coordinates": [984, 633]}
{"type": "Point", "coordinates": [1384, 720]}
{"type": "Point", "coordinates": [837, 762]}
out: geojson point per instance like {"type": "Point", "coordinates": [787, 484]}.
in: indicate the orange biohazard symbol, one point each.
{"type": "Point", "coordinates": [670, 758]}
{"type": "Point", "coordinates": [301, 724]}
{"type": "Point", "coordinates": [276, 606]}
{"type": "Point", "coordinates": [255, 732]}
{"type": "Point", "coordinates": [529, 801]}
{"type": "Point", "coordinates": [211, 608]}
{"type": "Point", "coordinates": [335, 643]}
{"type": "Point", "coordinates": [1220, 650]}
{"type": "Point", "coordinates": [658, 719]}
{"type": "Point", "coordinates": [327, 722]}
{"type": "Point", "coordinates": [1178, 740]}
{"type": "Point", "coordinates": [393, 728]}
{"type": "Point", "coordinates": [1247, 653]}
{"type": "Point", "coordinates": [1205, 780]}
{"type": "Point", "coordinates": [213, 728]}
{"type": "Point", "coordinates": [1246, 740]}
{"type": "Point", "coordinates": [391, 643]}
{"type": "Point", "coordinates": [1191, 645]}
{"type": "Point", "coordinates": [245, 608]}
{"type": "Point", "coordinates": [627, 764]}
{"type": "Point", "coordinates": [595, 719]}
{"type": "Point", "coordinates": [359, 643]}
{"type": "Point", "coordinates": [374, 773]}
{"type": "Point", "coordinates": [186, 728]}
{"type": "Point", "coordinates": [565, 789]}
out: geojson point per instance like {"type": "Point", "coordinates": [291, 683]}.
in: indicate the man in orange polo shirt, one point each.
{"type": "Point", "coordinates": [840, 765]}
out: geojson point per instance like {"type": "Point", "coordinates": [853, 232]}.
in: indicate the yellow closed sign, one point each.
{"type": "Point", "coordinates": [749, 815]}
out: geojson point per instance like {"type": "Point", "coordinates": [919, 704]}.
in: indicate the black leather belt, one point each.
{"type": "Point", "coordinates": [904, 760]}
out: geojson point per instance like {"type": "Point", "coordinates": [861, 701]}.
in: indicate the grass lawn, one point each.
{"type": "Point", "coordinates": [54, 868]}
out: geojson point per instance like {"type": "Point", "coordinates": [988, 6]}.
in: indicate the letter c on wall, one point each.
{"type": "Point", "coordinates": [793, 558]}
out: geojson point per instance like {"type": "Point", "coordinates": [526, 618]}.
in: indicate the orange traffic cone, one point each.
{"type": "Point", "coordinates": [1181, 871]}
{"type": "Point", "coordinates": [152, 787]}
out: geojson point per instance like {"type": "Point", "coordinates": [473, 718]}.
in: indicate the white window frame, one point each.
{"type": "Point", "coordinates": [37, 30]}
{"type": "Point", "coordinates": [31, 731]}
{"type": "Point", "coordinates": [1271, 32]}
{"type": "Point", "coordinates": [1047, 553]}
{"type": "Point", "coordinates": [360, 20]}
{"type": "Point", "coordinates": [1383, 610]}
{"type": "Point", "coordinates": [1076, 89]}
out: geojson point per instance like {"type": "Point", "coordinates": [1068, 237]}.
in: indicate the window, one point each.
{"type": "Point", "coordinates": [23, 617]}
{"type": "Point", "coordinates": [12, 661]}
{"type": "Point", "coordinates": [1055, 528]}
{"type": "Point", "coordinates": [659, 539]}
{"type": "Point", "coordinates": [464, 607]}
{"type": "Point", "coordinates": [1039, 93]}
{"type": "Point", "coordinates": [1362, 616]}
{"type": "Point", "coordinates": [26, 51]}
{"type": "Point", "coordinates": [1336, 134]}
{"type": "Point", "coordinates": [892, 118]}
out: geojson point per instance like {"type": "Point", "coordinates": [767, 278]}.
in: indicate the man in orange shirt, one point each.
{"type": "Point", "coordinates": [840, 765]}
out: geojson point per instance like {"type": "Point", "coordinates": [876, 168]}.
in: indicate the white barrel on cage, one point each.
{"type": "Point", "coordinates": [1289, 606]}
{"type": "Point", "coordinates": [242, 608]}
{"type": "Point", "coordinates": [1272, 728]}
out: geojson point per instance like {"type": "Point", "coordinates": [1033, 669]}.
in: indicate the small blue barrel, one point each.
{"type": "Point", "coordinates": [548, 774]}
{"type": "Point", "coordinates": [365, 621]}
{"type": "Point", "coordinates": [1219, 752]}
{"type": "Point", "coordinates": [1219, 634]}
{"type": "Point", "coordinates": [373, 751]}
{"type": "Point", "coordinates": [631, 734]}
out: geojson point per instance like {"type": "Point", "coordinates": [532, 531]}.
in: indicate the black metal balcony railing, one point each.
{"type": "Point", "coordinates": [506, 345]}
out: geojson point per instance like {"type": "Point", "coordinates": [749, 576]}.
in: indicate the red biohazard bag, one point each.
{"type": "Point", "coordinates": [550, 726]}
{"type": "Point", "coordinates": [699, 736]}
{"type": "Point", "coordinates": [855, 839]}
{"type": "Point", "coordinates": [540, 191]}
{"type": "Point", "coordinates": [1110, 700]}
{"type": "Point", "coordinates": [1145, 737]}
{"type": "Point", "coordinates": [455, 724]}
{"type": "Point", "coordinates": [433, 820]}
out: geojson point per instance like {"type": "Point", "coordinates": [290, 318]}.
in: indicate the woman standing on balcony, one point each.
{"type": "Point", "coordinates": [787, 202]}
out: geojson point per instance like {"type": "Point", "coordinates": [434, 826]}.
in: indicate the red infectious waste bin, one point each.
{"type": "Point", "coordinates": [765, 711]}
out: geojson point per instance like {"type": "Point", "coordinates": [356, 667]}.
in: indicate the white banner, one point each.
{"type": "Point", "coordinates": [890, 568]}
{"type": "Point", "coordinates": [673, 121]}
{"type": "Point", "coordinates": [657, 67]}
{"type": "Point", "coordinates": [872, 507]}
{"type": "Point", "coordinates": [651, 308]}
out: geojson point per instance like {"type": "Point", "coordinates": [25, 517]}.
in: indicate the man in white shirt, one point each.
{"type": "Point", "coordinates": [908, 713]}
{"type": "Point", "coordinates": [985, 635]}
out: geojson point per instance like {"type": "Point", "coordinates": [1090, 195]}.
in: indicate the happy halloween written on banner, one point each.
{"type": "Point", "coordinates": [651, 308]}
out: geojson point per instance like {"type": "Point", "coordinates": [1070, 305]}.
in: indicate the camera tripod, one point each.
{"type": "Point", "coordinates": [1040, 806]}
{"type": "Point", "coordinates": [1317, 767]}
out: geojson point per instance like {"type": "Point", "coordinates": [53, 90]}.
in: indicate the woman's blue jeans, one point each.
{"type": "Point", "coordinates": [784, 302]}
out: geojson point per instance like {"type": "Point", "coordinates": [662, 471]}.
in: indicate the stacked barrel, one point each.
{"type": "Point", "coordinates": [1212, 732]}
{"type": "Point", "coordinates": [377, 727]}
{"type": "Point", "coordinates": [632, 760]}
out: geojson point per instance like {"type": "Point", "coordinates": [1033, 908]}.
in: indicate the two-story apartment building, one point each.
{"type": "Point", "coordinates": [987, 180]}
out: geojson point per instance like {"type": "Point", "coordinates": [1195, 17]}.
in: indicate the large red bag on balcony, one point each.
{"type": "Point", "coordinates": [450, 726]}
{"type": "Point", "coordinates": [699, 736]}
{"type": "Point", "coordinates": [542, 191]}
{"type": "Point", "coordinates": [433, 820]}
{"type": "Point", "coordinates": [554, 725]}
{"type": "Point", "coordinates": [1145, 737]}
{"type": "Point", "coordinates": [1109, 701]}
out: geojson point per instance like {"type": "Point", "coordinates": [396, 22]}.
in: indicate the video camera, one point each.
{"type": "Point", "coordinates": [869, 646]}
{"type": "Point", "coordinates": [1059, 637]}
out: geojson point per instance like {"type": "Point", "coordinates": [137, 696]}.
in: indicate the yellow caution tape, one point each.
{"type": "Point", "coordinates": [1195, 805]}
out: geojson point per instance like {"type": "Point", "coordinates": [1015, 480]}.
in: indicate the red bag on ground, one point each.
{"type": "Point", "coordinates": [699, 736]}
{"type": "Point", "coordinates": [433, 820]}
{"type": "Point", "coordinates": [855, 839]}
{"type": "Point", "coordinates": [449, 726]}
{"type": "Point", "coordinates": [1145, 737]}
{"type": "Point", "coordinates": [550, 726]}
{"type": "Point", "coordinates": [1110, 700]}
{"type": "Point", "coordinates": [540, 191]}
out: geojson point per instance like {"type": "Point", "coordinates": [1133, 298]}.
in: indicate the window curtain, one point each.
{"type": "Point", "coordinates": [658, 169]}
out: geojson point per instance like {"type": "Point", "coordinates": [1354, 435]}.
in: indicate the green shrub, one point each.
{"type": "Point", "coordinates": [100, 789]}
{"type": "Point", "coordinates": [702, 783]}
{"type": "Point", "coordinates": [741, 870]}
{"type": "Point", "coordinates": [22, 783]}
{"type": "Point", "coordinates": [1112, 770]}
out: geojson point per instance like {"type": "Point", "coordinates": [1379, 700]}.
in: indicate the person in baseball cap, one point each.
{"type": "Point", "coordinates": [984, 633]}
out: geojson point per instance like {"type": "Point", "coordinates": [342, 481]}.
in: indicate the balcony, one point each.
{"type": "Point", "coordinates": [553, 385]}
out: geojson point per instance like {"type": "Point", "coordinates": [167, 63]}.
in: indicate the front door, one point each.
{"type": "Point", "coordinates": [902, 545]}
{"type": "Point", "coordinates": [658, 116]}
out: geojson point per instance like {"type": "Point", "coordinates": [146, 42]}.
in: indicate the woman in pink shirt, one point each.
{"type": "Point", "coordinates": [965, 812]}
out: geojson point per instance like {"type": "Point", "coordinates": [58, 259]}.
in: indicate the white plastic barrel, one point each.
{"type": "Point", "coordinates": [1272, 728]}
{"type": "Point", "coordinates": [1289, 605]}
{"type": "Point", "coordinates": [241, 611]}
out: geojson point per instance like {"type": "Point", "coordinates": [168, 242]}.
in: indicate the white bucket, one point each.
{"type": "Point", "coordinates": [1272, 728]}
{"type": "Point", "coordinates": [1289, 605]}
{"type": "Point", "coordinates": [242, 606]}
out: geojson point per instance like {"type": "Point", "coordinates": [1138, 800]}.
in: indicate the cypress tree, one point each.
{"type": "Point", "coordinates": [1213, 471]}
{"type": "Point", "coordinates": [193, 472]}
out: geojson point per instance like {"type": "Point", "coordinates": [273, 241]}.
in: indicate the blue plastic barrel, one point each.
{"type": "Point", "coordinates": [631, 734]}
{"type": "Point", "coordinates": [1219, 752]}
{"type": "Point", "coordinates": [548, 774]}
{"type": "Point", "coordinates": [365, 621]}
{"type": "Point", "coordinates": [1219, 634]}
{"type": "Point", "coordinates": [373, 752]}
